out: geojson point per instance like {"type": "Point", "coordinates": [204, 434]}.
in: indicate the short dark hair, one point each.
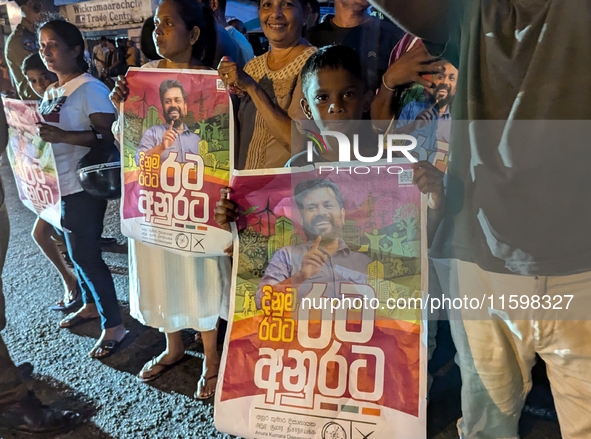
{"type": "Point", "coordinates": [33, 62]}
{"type": "Point", "coordinates": [303, 188]}
{"type": "Point", "coordinates": [332, 57]}
{"type": "Point", "coordinates": [167, 84]}
{"type": "Point", "coordinates": [222, 6]}
{"type": "Point", "coordinates": [314, 6]}
{"type": "Point", "coordinates": [103, 38]}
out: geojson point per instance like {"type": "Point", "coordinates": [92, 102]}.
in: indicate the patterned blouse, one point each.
{"type": "Point", "coordinates": [258, 149]}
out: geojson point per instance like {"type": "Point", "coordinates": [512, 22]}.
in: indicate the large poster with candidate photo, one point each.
{"type": "Point", "coordinates": [32, 161]}
{"type": "Point", "coordinates": [176, 143]}
{"type": "Point", "coordinates": [325, 332]}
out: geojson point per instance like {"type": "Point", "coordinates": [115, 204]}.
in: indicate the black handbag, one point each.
{"type": "Point", "coordinates": [99, 172]}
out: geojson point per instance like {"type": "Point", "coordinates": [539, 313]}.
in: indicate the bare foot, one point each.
{"type": "Point", "coordinates": [87, 312]}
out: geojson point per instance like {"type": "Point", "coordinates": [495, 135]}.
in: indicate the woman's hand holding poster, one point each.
{"type": "Point", "coordinates": [32, 161]}
{"type": "Point", "coordinates": [177, 152]}
{"type": "Point", "coordinates": [326, 339]}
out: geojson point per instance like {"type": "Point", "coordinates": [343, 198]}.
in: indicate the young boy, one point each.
{"type": "Point", "coordinates": [37, 74]}
{"type": "Point", "coordinates": [335, 99]}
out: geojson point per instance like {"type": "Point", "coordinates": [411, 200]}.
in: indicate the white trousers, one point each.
{"type": "Point", "coordinates": [496, 354]}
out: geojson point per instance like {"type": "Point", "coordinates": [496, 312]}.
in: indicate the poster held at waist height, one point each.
{"type": "Point", "coordinates": [176, 142]}
{"type": "Point", "coordinates": [32, 161]}
{"type": "Point", "coordinates": [317, 347]}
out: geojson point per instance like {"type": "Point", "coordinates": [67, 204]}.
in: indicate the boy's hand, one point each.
{"type": "Point", "coordinates": [429, 180]}
{"type": "Point", "coordinates": [225, 211]}
{"type": "Point", "coordinates": [410, 66]}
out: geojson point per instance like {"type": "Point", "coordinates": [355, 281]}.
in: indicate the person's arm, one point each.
{"type": "Point", "coordinates": [427, 19]}
{"type": "Point", "coordinates": [276, 119]}
{"type": "Point", "coordinates": [15, 56]}
{"type": "Point", "coordinates": [101, 123]}
{"type": "Point", "coordinates": [406, 70]}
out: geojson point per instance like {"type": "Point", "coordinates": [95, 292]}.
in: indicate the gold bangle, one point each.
{"type": "Point", "coordinates": [385, 85]}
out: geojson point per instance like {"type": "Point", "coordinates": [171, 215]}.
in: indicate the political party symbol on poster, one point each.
{"type": "Point", "coordinates": [32, 161]}
{"type": "Point", "coordinates": [177, 155]}
{"type": "Point", "coordinates": [325, 334]}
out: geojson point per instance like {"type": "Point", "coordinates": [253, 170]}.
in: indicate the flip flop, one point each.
{"type": "Point", "coordinates": [61, 306]}
{"type": "Point", "coordinates": [108, 346]}
{"type": "Point", "coordinates": [74, 319]}
{"type": "Point", "coordinates": [150, 365]}
{"type": "Point", "coordinates": [202, 383]}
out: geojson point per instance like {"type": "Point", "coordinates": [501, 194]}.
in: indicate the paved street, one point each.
{"type": "Point", "coordinates": [113, 402]}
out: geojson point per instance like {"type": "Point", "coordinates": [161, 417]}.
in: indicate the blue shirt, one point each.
{"type": "Point", "coordinates": [343, 266]}
{"type": "Point", "coordinates": [186, 142]}
{"type": "Point", "coordinates": [428, 135]}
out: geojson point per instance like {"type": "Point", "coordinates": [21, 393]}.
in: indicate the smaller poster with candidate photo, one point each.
{"type": "Point", "coordinates": [177, 150]}
{"type": "Point", "coordinates": [32, 161]}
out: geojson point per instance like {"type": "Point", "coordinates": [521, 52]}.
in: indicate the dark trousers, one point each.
{"type": "Point", "coordinates": [82, 221]}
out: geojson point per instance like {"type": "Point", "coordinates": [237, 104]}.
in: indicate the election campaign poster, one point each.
{"type": "Point", "coordinates": [32, 161]}
{"type": "Point", "coordinates": [326, 337]}
{"type": "Point", "coordinates": [176, 143]}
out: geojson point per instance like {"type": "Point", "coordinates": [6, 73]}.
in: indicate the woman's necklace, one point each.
{"type": "Point", "coordinates": [278, 64]}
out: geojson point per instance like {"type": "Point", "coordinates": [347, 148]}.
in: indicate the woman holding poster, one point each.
{"type": "Point", "coordinates": [169, 291]}
{"type": "Point", "coordinates": [78, 117]}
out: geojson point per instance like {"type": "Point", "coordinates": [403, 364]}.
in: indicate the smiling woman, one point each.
{"type": "Point", "coordinates": [271, 86]}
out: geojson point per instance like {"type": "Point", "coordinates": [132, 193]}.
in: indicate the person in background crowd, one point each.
{"type": "Point", "coordinates": [22, 42]}
{"type": "Point", "coordinates": [238, 25]}
{"type": "Point", "coordinates": [225, 46]}
{"type": "Point", "coordinates": [20, 410]}
{"type": "Point", "coordinates": [99, 56]}
{"type": "Point", "coordinates": [244, 52]}
{"type": "Point", "coordinates": [133, 55]}
{"type": "Point", "coordinates": [371, 37]}
{"type": "Point", "coordinates": [313, 17]}
{"type": "Point", "coordinates": [78, 117]}
{"type": "Point", "coordinates": [271, 86]}
{"type": "Point", "coordinates": [6, 86]}
{"type": "Point", "coordinates": [116, 63]}
{"type": "Point", "coordinates": [40, 79]}
{"type": "Point", "coordinates": [169, 291]}
{"type": "Point", "coordinates": [515, 80]}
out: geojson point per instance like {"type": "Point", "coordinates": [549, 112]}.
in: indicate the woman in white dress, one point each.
{"type": "Point", "coordinates": [169, 291]}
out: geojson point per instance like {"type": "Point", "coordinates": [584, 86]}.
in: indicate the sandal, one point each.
{"type": "Point", "coordinates": [106, 346]}
{"type": "Point", "coordinates": [74, 319]}
{"type": "Point", "coordinates": [62, 306]}
{"type": "Point", "coordinates": [149, 367]}
{"type": "Point", "coordinates": [201, 384]}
